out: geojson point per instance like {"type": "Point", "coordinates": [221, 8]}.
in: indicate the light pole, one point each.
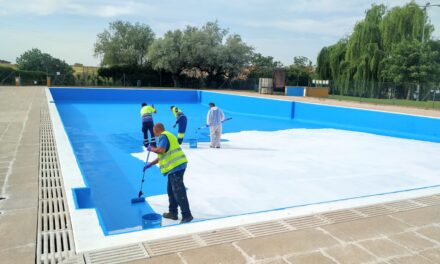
{"type": "Point", "coordinates": [425, 7]}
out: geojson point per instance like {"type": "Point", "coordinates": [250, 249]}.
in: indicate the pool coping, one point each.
{"type": "Point", "coordinates": [79, 218]}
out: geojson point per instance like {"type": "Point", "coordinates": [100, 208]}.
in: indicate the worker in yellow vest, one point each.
{"type": "Point", "coordinates": [181, 121]}
{"type": "Point", "coordinates": [172, 163]}
{"type": "Point", "coordinates": [147, 112]}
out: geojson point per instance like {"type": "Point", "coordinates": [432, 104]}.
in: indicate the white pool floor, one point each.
{"type": "Point", "coordinates": [259, 171]}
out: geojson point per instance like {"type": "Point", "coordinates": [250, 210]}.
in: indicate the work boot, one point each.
{"type": "Point", "coordinates": [170, 216]}
{"type": "Point", "coordinates": [186, 219]}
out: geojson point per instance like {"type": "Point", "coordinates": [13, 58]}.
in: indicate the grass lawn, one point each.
{"type": "Point", "coordinates": [400, 102]}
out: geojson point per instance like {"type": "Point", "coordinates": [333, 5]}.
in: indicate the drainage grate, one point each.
{"type": "Point", "coordinates": [55, 238]}
{"type": "Point", "coordinates": [172, 245]}
{"type": "Point", "coordinates": [374, 210]}
{"type": "Point", "coordinates": [342, 216]}
{"type": "Point", "coordinates": [222, 236]}
{"type": "Point", "coordinates": [428, 200]}
{"type": "Point", "coordinates": [116, 255]}
{"type": "Point", "coordinates": [267, 228]}
{"type": "Point", "coordinates": [304, 222]}
{"type": "Point", "coordinates": [404, 205]}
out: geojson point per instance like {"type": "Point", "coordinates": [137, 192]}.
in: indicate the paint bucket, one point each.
{"type": "Point", "coordinates": [151, 221]}
{"type": "Point", "coordinates": [193, 143]}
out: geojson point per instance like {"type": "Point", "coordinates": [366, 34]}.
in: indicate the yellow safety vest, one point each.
{"type": "Point", "coordinates": [177, 112]}
{"type": "Point", "coordinates": [173, 157]}
{"type": "Point", "coordinates": [147, 112]}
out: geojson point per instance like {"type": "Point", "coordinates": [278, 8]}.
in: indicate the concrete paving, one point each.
{"type": "Point", "coordinates": [19, 159]}
{"type": "Point", "coordinates": [407, 237]}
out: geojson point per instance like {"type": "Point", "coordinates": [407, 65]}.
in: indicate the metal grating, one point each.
{"type": "Point", "coordinates": [116, 255]}
{"type": "Point", "coordinates": [223, 236]}
{"type": "Point", "coordinates": [267, 228]}
{"type": "Point", "coordinates": [55, 237]}
{"type": "Point", "coordinates": [172, 245]}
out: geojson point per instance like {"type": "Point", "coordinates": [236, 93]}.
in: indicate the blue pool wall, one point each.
{"type": "Point", "coordinates": [249, 105]}
{"type": "Point", "coordinates": [383, 123]}
{"type": "Point", "coordinates": [124, 95]}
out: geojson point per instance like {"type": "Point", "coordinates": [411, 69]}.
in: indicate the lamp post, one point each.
{"type": "Point", "coordinates": [425, 7]}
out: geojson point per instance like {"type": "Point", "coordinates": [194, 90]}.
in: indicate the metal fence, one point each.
{"type": "Point", "coordinates": [426, 95]}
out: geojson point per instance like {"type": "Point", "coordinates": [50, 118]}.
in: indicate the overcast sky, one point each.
{"type": "Point", "coordinates": [67, 29]}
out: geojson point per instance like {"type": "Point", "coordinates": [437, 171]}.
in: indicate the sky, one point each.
{"type": "Point", "coordinates": [283, 29]}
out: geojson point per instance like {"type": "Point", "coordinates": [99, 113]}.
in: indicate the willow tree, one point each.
{"type": "Point", "coordinates": [355, 63]}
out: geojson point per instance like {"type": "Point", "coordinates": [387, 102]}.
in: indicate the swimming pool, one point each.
{"type": "Point", "coordinates": [102, 128]}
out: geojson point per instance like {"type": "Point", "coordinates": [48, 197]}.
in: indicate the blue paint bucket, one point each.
{"type": "Point", "coordinates": [193, 143]}
{"type": "Point", "coordinates": [151, 221]}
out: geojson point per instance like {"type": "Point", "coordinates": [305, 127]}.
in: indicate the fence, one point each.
{"type": "Point", "coordinates": [406, 94]}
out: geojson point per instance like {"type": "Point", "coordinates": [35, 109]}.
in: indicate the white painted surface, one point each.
{"type": "Point", "coordinates": [259, 171]}
{"type": "Point", "coordinates": [267, 170]}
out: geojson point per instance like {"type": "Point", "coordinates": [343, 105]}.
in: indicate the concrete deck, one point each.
{"type": "Point", "coordinates": [412, 236]}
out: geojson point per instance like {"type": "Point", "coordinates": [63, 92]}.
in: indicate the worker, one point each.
{"type": "Point", "coordinates": [214, 121]}
{"type": "Point", "coordinates": [181, 121]}
{"type": "Point", "coordinates": [172, 163]}
{"type": "Point", "coordinates": [147, 112]}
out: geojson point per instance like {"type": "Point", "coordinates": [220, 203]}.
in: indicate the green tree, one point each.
{"type": "Point", "coordinates": [411, 62]}
{"type": "Point", "coordinates": [124, 43]}
{"type": "Point", "coordinates": [210, 50]}
{"type": "Point", "coordinates": [166, 54]}
{"type": "Point", "coordinates": [355, 63]}
{"type": "Point", "coordinates": [35, 60]}
{"type": "Point", "coordinates": [263, 66]}
{"type": "Point", "coordinates": [234, 56]}
{"type": "Point", "coordinates": [207, 50]}
{"type": "Point", "coordinates": [300, 72]}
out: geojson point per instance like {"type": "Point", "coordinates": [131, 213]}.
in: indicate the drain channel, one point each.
{"type": "Point", "coordinates": [55, 237]}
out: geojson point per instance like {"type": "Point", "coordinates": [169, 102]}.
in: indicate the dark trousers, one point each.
{"type": "Point", "coordinates": [182, 128]}
{"type": "Point", "coordinates": [177, 194]}
{"type": "Point", "coordinates": [147, 127]}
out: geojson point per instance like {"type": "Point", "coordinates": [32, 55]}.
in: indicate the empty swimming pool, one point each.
{"type": "Point", "coordinates": [276, 155]}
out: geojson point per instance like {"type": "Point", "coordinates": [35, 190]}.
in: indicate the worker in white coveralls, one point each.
{"type": "Point", "coordinates": [172, 163]}
{"type": "Point", "coordinates": [214, 121]}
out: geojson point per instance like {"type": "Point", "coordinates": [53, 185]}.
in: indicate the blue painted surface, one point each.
{"type": "Point", "coordinates": [294, 91]}
{"type": "Point", "coordinates": [382, 123]}
{"type": "Point", "coordinates": [124, 95]}
{"type": "Point", "coordinates": [249, 105]}
{"type": "Point", "coordinates": [82, 198]}
{"type": "Point", "coordinates": [104, 128]}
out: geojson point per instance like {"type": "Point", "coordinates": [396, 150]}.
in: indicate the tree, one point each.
{"type": "Point", "coordinates": [203, 50]}
{"type": "Point", "coordinates": [300, 71]}
{"type": "Point", "coordinates": [124, 44]}
{"type": "Point", "coordinates": [411, 62]}
{"type": "Point", "coordinates": [355, 63]}
{"type": "Point", "coordinates": [166, 54]}
{"type": "Point", "coordinates": [234, 56]}
{"type": "Point", "coordinates": [35, 60]}
{"type": "Point", "coordinates": [207, 50]}
{"type": "Point", "coordinates": [263, 66]}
